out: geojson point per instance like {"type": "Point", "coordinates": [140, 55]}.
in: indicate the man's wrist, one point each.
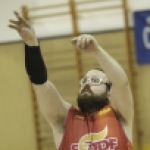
{"type": "Point", "coordinates": [32, 43]}
{"type": "Point", "coordinates": [96, 51]}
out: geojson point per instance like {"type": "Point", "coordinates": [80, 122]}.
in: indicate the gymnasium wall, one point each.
{"type": "Point", "coordinates": [16, 107]}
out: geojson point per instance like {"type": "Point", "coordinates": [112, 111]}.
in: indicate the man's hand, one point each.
{"type": "Point", "coordinates": [85, 43]}
{"type": "Point", "coordinates": [24, 29]}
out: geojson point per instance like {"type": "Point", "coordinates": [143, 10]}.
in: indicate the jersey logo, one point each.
{"type": "Point", "coordinates": [96, 141]}
{"type": "Point", "coordinates": [104, 111]}
{"type": "Point", "coordinates": [80, 117]}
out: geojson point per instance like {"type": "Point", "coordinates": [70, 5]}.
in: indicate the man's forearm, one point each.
{"type": "Point", "coordinates": [34, 64]}
{"type": "Point", "coordinates": [113, 70]}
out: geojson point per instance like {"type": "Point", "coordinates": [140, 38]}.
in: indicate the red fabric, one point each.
{"type": "Point", "coordinates": [101, 131]}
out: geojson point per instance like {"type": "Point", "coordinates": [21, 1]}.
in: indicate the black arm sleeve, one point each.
{"type": "Point", "coordinates": [34, 65]}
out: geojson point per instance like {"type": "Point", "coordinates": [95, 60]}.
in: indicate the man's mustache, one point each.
{"type": "Point", "coordinates": [86, 88]}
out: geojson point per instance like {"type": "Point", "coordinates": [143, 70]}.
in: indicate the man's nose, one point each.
{"type": "Point", "coordinates": [88, 81]}
{"type": "Point", "coordinates": [87, 86]}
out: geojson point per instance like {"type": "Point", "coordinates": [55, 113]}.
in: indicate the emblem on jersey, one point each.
{"type": "Point", "coordinates": [96, 141]}
{"type": "Point", "coordinates": [80, 117]}
{"type": "Point", "coordinates": [104, 111]}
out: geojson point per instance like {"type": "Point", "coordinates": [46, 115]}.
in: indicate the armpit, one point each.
{"type": "Point", "coordinates": [59, 123]}
{"type": "Point", "coordinates": [120, 117]}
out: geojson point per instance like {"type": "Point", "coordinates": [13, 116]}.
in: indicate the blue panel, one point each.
{"type": "Point", "coordinates": [142, 36]}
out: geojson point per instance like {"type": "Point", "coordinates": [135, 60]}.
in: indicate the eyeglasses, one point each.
{"type": "Point", "coordinates": [91, 80]}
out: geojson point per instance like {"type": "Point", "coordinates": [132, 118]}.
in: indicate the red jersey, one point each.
{"type": "Point", "coordinates": [101, 131]}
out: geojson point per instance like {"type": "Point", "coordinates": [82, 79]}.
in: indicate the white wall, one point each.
{"type": "Point", "coordinates": [60, 26]}
{"type": "Point", "coordinates": [6, 12]}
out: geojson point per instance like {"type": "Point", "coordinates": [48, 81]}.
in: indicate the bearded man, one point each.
{"type": "Point", "coordinates": [104, 119]}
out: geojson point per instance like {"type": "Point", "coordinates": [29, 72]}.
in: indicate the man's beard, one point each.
{"type": "Point", "coordinates": [91, 103]}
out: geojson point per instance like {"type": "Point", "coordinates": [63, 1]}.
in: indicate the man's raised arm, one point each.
{"type": "Point", "coordinates": [50, 102]}
{"type": "Point", "coordinates": [120, 95]}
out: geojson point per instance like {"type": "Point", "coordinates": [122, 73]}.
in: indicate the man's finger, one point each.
{"type": "Point", "coordinates": [83, 42]}
{"type": "Point", "coordinates": [21, 20]}
{"type": "Point", "coordinates": [14, 27]}
{"type": "Point", "coordinates": [14, 22]}
{"type": "Point", "coordinates": [16, 13]}
{"type": "Point", "coordinates": [89, 41]}
{"type": "Point", "coordinates": [74, 40]}
{"type": "Point", "coordinates": [18, 16]}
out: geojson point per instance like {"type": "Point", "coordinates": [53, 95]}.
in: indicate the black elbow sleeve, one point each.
{"type": "Point", "coordinates": [34, 65]}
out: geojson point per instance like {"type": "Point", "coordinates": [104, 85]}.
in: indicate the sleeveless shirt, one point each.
{"type": "Point", "coordinates": [101, 131]}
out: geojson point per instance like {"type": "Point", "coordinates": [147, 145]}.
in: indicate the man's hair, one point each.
{"type": "Point", "coordinates": [109, 84]}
